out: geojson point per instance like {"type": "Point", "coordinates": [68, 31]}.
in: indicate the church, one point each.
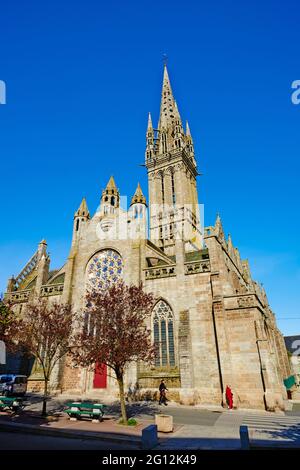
{"type": "Point", "coordinates": [212, 324]}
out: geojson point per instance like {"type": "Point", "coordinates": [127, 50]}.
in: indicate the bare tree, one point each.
{"type": "Point", "coordinates": [45, 332]}
{"type": "Point", "coordinates": [114, 331]}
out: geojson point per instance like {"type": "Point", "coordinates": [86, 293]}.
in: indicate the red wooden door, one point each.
{"type": "Point", "coordinates": [100, 376]}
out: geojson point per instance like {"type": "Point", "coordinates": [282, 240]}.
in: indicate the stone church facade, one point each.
{"type": "Point", "coordinates": [212, 323]}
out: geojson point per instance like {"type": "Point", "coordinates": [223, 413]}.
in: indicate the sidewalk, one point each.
{"type": "Point", "coordinates": [62, 426]}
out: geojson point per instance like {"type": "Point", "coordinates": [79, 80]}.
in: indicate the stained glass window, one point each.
{"type": "Point", "coordinates": [104, 269]}
{"type": "Point", "coordinates": [163, 332]}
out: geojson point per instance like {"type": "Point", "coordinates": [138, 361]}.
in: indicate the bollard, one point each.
{"type": "Point", "coordinates": [149, 437]}
{"type": "Point", "coordinates": [244, 435]}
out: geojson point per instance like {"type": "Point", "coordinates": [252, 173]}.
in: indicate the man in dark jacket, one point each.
{"type": "Point", "coordinates": [162, 393]}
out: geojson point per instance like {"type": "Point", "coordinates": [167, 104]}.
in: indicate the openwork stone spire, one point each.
{"type": "Point", "coordinates": [168, 106]}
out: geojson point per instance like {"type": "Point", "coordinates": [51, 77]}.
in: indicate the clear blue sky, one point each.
{"type": "Point", "coordinates": [81, 78]}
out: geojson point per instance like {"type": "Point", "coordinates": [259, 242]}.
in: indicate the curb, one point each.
{"type": "Point", "coordinates": [31, 429]}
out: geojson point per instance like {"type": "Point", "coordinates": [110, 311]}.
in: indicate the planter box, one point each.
{"type": "Point", "coordinates": [164, 423]}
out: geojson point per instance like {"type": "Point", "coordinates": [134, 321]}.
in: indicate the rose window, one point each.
{"type": "Point", "coordinates": [104, 269]}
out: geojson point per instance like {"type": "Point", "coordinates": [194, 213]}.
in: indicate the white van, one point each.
{"type": "Point", "coordinates": [12, 384]}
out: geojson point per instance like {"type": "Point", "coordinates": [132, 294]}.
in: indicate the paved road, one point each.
{"type": "Point", "coordinates": [13, 441]}
{"type": "Point", "coordinates": [147, 410]}
{"type": "Point", "coordinates": [192, 416]}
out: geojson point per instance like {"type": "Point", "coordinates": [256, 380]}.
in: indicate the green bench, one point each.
{"type": "Point", "coordinates": [85, 409]}
{"type": "Point", "coordinates": [12, 403]}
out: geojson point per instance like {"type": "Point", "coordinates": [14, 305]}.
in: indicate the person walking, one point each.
{"type": "Point", "coordinates": [162, 393]}
{"type": "Point", "coordinates": [229, 397]}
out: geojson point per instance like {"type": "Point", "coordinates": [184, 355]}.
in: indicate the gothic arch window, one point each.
{"type": "Point", "coordinates": [113, 200]}
{"type": "Point", "coordinates": [104, 269]}
{"type": "Point", "coordinates": [163, 334]}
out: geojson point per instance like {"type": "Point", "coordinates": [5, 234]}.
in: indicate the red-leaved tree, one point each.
{"type": "Point", "coordinates": [114, 331]}
{"type": "Point", "coordinates": [45, 331]}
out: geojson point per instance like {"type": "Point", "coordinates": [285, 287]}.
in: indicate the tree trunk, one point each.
{"type": "Point", "coordinates": [44, 410]}
{"type": "Point", "coordinates": [122, 398]}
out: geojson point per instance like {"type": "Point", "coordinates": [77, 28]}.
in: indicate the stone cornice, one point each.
{"type": "Point", "coordinates": [172, 157]}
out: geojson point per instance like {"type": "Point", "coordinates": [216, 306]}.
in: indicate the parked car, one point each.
{"type": "Point", "coordinates": [12, 384]}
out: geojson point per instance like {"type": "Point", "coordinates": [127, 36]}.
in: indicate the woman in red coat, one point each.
{"type": "Point", "coordinates": [229, 397]}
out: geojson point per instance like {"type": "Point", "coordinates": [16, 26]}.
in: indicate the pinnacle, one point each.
{"type": "Point", "coordinates": [138, 196]}
{"type": "Point", "coordinates": [187, 131]}
{"type": "Point", "coordinates": [150, 126]}
{"type": "Point", "coordinates": [218, 219]}
{"type": "Point", "coordinates": [111, 183]}
{"type": "Point", "coordinates": [83, 209]}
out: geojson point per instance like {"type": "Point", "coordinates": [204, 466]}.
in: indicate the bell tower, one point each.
{"type": "Point", "coordinates": [171, 165]}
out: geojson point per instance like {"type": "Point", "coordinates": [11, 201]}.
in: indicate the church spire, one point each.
{"type": "Point", "coordinates": [168, 107]}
